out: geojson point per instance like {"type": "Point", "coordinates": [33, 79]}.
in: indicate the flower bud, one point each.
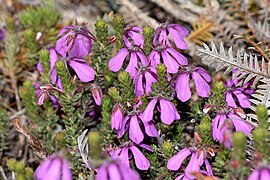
{"type": "Point", "coordinates": [207, 108]}
{"type": "Point", "coordinates": [47, 87]}
{"type": "Point", "coordinates": [197, 137]}
{"type": "Point", "coordinates": [211, 152]}
{"type": "Point", "coordinates": [112, 39]}
{"type": "Point", "coordinates": [239, 112]}
{"type": "Point", "coordinates": [117, 116]}
{"type": "Point", "coordinates": [97, 94]}
{"type": "Point", "coordinates": [43, 96]}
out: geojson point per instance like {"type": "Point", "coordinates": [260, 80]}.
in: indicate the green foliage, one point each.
{"type": "Point", "coordinates": [167, 149]}
{"type": "Point", "coordinates": [262, 115]}
{"type": "Point", "coordinates": [65, 78]}
{"type": "Point", "coordinates": [44, 56]}
{"type": "Point", "coordinates": [218, 94]}
{"type": "Point", "coordinates": [101, 55]}
{"type": "Point", "coordinates": [31, 45]}
{"type": "Point", "coordinates": [3, 130]}
{"type": "Point", "coordinates": [125, 87]}
{"type": "Point", "coordinates": [118, 23]}
{"type": "Point", "coordinates": [27, 94]}
{"type": "Point", "coordinates": [205, 130]}
{"type": "Point", "coordinates": [239, 147]}
{"type": "Point", "coordinates": [148, 38]}
{"type": "Point", "coordinates": [12, 48]}
{"type": "Point", "coordinates": [21, 171]}
{"type": "Point", "coordinates": [39, 19]}
{"type": "Point", "coordinates": [222, 159]}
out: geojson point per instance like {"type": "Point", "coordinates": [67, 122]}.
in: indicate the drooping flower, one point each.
{"type": "Point", "coordinates": [44, 92]}
{"type": "Point", "coordinates": [74, 41]}
{"type": "Point", "coordinates": [168, 112]}
{"type": "Point", "coordinates": [55, 168]}
{"type": "Point", "coordinates": [236, 92]}
{"type": "Point", "coordinates": [262, 173]}
{"type": "Point", "coordinates": [123, 154]}
{"type": "Point", "coordinates": [133, 35]}
{"type": "Point", "coordinates": [198, 158]}
{"type": "Point", "coordinates": [177, 32]}
{"type": "Point", "coordinates": [144, 79]}
{"type": "Point", "coordinates": [117, 116]}
{"type": "Point", "coordinates": [131, 124]}
{"type": "Point", "coordinates": [134, 52]}
{"type": "Point", "coordinates": [115, 170]}
{"type": "Point", "coordinates": [219, 130]}
{"type": "Point", "coordinates": [171, 58]}
{"type": "Point", "coordinates": [201, 79]}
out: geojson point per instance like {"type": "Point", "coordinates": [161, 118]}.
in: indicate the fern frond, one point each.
{"type": "Point", "coordinates": [83, 148]}
{"type": "Point", "coordinates": [201, 31]}
{"type": "Point", "coordinates": [247, 65]}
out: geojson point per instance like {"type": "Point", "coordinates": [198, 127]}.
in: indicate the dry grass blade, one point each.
{"type": "Point", "coordinates": [33, 141]}
{"type": "Point", "coordinates": [201, 31]}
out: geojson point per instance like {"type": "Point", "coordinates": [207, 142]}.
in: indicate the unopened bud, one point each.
{"type": "Point", "coordinates": [97, 94]}
{"type": "Point", "coordinates": [239, 112]}
{"type": "Point", "coordinates": [38, 36]}
{"type": "Point", "coordinates": [211, 152]}
{"type": "Point", "coordinates": [43, 96]}
{"type": "Point", "coordinates": [207, 108]}
{"type": "Point", "coordinates": [47, 87]}
{"type": "Point", "coordinates": [197, 137]}
{"type": "Point", "coordinates": [112, 39]}
{"type": "Point", "coordinates": [129, 105]}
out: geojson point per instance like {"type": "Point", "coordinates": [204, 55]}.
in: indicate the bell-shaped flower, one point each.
{"type": "Point", "coordinates": [219, 128]}
{"type": "Point", "coordinates": [74, 41]}
{"type": "Point", "coordinates": [171, 58]}
{"type": "Point", "coordinates": [144, 79]}
{"type": "Point", "coordinates": [97, 94]}
{"type": "Point", "coordinates": [55, 168]}
{"type": "Point", "coordinates": [113, 169]}
{"type": "Point", "coordinates": [117, 117]}
{"type": "Point", "coordinates": [124, 154]}
{"type": "Point", "coordinates": [133, 35]}
{"type": "Point", "coordinates": [168, 112]}
{"type": "Point", "coordinates": [198, 158]}
{"type": "Point", "coordinates": [201, 79]}
{"type": "Point", "coordinates": [238, 95]}
{"type": "Point", "coordinates": [133, 124]}
{"type": "Point", "coordinates": [177, 32]}
{"type": "Point", "coordinates": [261, 173]}
{"type": "Point", "coordinates": [135, 54]}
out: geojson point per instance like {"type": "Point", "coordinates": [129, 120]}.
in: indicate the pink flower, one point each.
{"type": "Point", "coordinates": [55, 167]}
{"type": "Point", "coordinates": [117, 116]}
{"type": "Point", "coordinates": [144, 79]}
{"type": "Point", "coordinates": [134, 52]}
{"type": "Point", "coordinates": [115, 170]}
{"type": "Point", "coordinates": [201, 79]}
{"type": "Point", "coordinates": [97, 94]}
{"type": "Point", "coordinates": [262, 173]}
{"type": "Point", "coordinates": [168, 112]}
{"type": "Point", "coordinates": [133, 33]}
{"type": "Point", "coordinates": [171, 58]}
{"type": "Point", "coordinates": [177, 32]}
{"type": "Point", "coordinates": [131, 123]}
{"type": "Point", "coordinates": [196, 161]}
{"type": "Point", "coordinates": [123, 154]}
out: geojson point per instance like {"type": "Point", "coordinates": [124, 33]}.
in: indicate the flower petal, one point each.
{"type": "Point", "coordinates": [135, 132]}
{"type": "Point", "coordinates": [132, 65]}
{"type": "Point", "coordinates": [203, 73]}
{"type": "Point", "coordinates": [150, 129]}
{"type": "Point", "coordinates": [177, 39]}
{"type": "Point", "coordinates": [229, 99]}
{"type": "Point", "coordinates": [82, 47]}
{"type": "Point", "coordinates": [148, 112]}
{"type": "Point", "coordinates": [169, 62]}
{"type": "Point", "coordinates": [178, 56]}
{"type": "Point", "coordinates": [192, 166]}
{"type": "Point", "coordinates": [242, 99]}
{"type": "Point", "coordinates": [116, 63]}
{"type": "Point", "coordinates": [82, 69]}
{"type": "Point", "coordinates": [217, 123]}
{"type": "Point", "coordinates": [202, 87]}
{"type": "Point", "coordinates": [182, 87]}
{"type": "Point", "coordinates": [154, 58]}
{"type": "Point", "coordinates": [168, 112]}
{"type": "Point", "coordinates": [123, 128]}
{"type": "Point", "coordinates": [139, 91]}
{"type": "Point", "coordinates": [141, 161]}
{"type": "Point", "coordinates": [175, 162]}
{"type": "Point", "coordinates": [241, 125]}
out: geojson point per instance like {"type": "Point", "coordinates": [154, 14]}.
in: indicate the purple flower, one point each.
{"type": "Point", "coordinates": [239, 93]}
{"type": "Point", "coordinates": [168, 112]}
{"type": "Point", "coordinates": [134, 34]}
{"type": "Point", "coordinates": [177, 32]}
{"type": "Point", "coordinates": [171, 58]}
{"type": "Point", "coordinates": [196, 161]}
{"type": "Point", "coordinates": [262, 173]}
{"type": "Point", "coordinates": [200, 77]}
{"type": "Point", "coordinates": [123, 153]}
{"type": "Point", "coordinates": [115, 170]}
{"type": "Point", "coordinates": [44, 92]}
{"type": "Point", "coordinates": [74, 41]}
{"type": "Point", "coordinates": [134, 52]}
{"type": "Point", "coordinates": [131, 123]}
{"type": "Point", "coordinates": [2, 34]}
{"type": "Point", "coordinates": [55, 167]}
{"type": "Point", "coordinates": [144, 79]}
{"type": "Point", "coordinates": [117, 116]}
{"type": "Point", "coordinates": [218, 129]}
